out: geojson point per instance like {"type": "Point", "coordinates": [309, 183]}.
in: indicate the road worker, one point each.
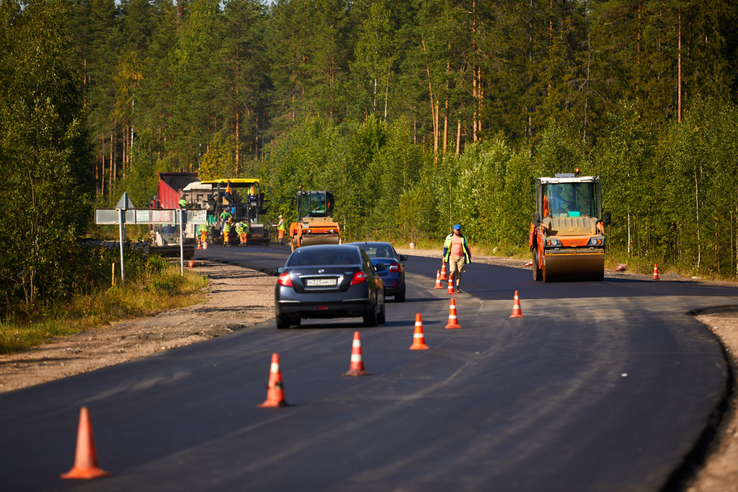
{"type": "Point", "coordinates": [242, 229]}
{"type": "Point", "coordinates": [224, 216]}
{"type": "Point", "coordinates": [457, 253]}
{"type": "Point", "coordinates": [227, 225]}
{"type": "Point", "coordinates": [202, 230]}
{"type": "Point", "coordinates": [280, 230]}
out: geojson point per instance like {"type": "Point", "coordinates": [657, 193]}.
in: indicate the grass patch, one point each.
{"type": "Point", "coordinates": [161, 288]}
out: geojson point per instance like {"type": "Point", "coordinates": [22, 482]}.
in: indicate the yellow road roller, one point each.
{"type": "Point", "coordinates": [567, 236]}
{"type": "Point", "coordinates": [315, 224]}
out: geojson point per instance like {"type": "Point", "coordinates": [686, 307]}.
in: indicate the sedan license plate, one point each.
{"type": "Point", "coordinates": [321, 282]}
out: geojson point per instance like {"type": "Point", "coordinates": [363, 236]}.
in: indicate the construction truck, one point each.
{"type": "Point", "coordinates": [242, 198]}
{"type": "Point", "coordinates": [567, 236]}
{"type": "Point", "coordinates": [315, 224]}
{"type": "Point", "coordinates": [165, 238]}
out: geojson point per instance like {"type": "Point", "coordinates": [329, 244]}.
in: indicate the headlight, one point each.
{"type": "Point", "coordinates": [553, 242]}
{"type": "Point", "coordinates": [596, 241]}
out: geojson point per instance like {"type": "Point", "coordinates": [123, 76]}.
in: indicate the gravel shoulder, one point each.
{"type": "Point", "coordinates": [239, 297]}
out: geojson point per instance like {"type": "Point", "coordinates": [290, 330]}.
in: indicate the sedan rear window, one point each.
{"type": "Point", "coordinates": [380, 251]}
{"type": "Point", "coordinates": [319, 256]}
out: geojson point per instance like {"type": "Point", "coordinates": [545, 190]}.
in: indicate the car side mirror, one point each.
{"type": "Point", "coordinates": [280, 270]}
{"type": "Point", "coordinates": [403, 257]}
{"type": "Point", "coordinates": [607, 218]}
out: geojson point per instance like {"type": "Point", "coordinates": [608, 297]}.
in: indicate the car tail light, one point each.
{"type": "Point", "coordinates": [285, 279]}
{"type": "Point", "coordinates": [394, 267]}
{"type": "Point", "coordinates": [359, 278]}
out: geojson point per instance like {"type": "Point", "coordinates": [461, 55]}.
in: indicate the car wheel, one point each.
{"type": "Point", "coordinates": [283, 321]}
{"type": "Point", "coordinates": [370, 319]}
{"type": "Point", "coordinates": [295, 321]}
{"type": "Point", "coordinates": [382, 317]}
{"type": "Point", "coordinates": [400, 297]}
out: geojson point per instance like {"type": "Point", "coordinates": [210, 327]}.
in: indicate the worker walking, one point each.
{"type": "Point", "coordinates": [227, 231]}
{"type": "Point", "coordinates": [280, 230]}
{"type": "Point", "coordinates": [456, 252]}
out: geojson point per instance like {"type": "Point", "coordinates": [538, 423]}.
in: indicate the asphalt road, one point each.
{"type": "Point", "coordinates": [603, 386]}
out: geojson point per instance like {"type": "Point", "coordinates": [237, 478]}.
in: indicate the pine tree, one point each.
{"type": "Point", "coordinates": [197, 82]}
{"type": "Point", "coordinates": [246, 68]}
{"type": "Point", "coordinates": [98, 46]}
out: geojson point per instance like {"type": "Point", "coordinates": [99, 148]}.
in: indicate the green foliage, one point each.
{"type": "Point", "coordinates": [44, 156]}
{"type": "Point", "coordinates": [160, 288]}
{"type": "Point", "coordinates": [219, 162]}
{"type": "Point", "coordinates": [368, 99]}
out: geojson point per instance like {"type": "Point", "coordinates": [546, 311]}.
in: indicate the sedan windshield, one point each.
{"type": "Point", "coordinates": [313, 256]}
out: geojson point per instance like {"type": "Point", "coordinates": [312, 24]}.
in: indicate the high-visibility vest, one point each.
{"type": "Point", "coordinates": [464, 247]}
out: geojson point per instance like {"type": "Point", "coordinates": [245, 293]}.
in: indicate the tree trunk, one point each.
{"type": "Point", "coordinates": [436, 133]}
{"type": "Point", "coordinates": [113, 163]}
{"type": "Point", "coordinates": [630, 240]}
{"type": "Point", "coordinates": [476, 124]}
{"type": "Point", "coordinates": [433, 104]}
{"type": "Point", "coordinates": [445, 127]}
{"type": "Point", "coordinates": [697, 216]}
{"type": "Point", "coordinates": [458, 138]}
{"type": "Point", "coordinates": [679, 70]}
{"type": "Point", "coordinates": [386, 94]}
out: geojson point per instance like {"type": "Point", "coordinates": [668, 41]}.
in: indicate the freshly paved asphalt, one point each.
{"type": "Point", "coordinates": [603, 386]}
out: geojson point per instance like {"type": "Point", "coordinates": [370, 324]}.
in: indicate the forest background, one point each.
{"type": "Point", "coordinates": [417, 114]}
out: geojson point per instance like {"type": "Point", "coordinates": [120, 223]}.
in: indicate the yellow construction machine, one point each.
{"type": "Point", "coordinates": [567, 237]}
{"type": "Point", "coordinates": [315, 224]}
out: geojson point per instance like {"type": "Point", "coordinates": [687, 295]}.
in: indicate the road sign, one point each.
{"type": "Point", "coordinates": [162, 217]}
{"type": "Point", "coordinates": [126, 213]}
{"type": "Point", "coordinates": [125, 203]}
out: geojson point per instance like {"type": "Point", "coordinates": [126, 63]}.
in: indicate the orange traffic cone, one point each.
{"type": "Point", "coordinates": [451, 291]}
{"type": "Point", "coordinates": [85, 460]}
{"type": "Point", "coordinates": [655, 272]}
{"type": "Point", "coordinates": [275, 389]}
{"type": "Point", "coordinates": [438, 280]}
{"type": "Point", "coordinates": [357, 363]}
{"type": "Point", "coordinates": [443, 271]}
{"type": "Point", "coordinates": [199, 245]}
{"type": "Point", "coordinates": [452, 319]}
{"type": "Point", "coordinates": [419, 336]}
{"type": "Point", "coordinates": [517, 313]}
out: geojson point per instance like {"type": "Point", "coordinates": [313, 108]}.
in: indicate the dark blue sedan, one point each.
{"type": "Point", "coordinates": [328, 281]}
{"type": "Point", "coordinates": [391, 269]}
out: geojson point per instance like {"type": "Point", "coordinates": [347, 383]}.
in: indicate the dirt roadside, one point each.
{"type": "Point", "coordinates": [239, 297]}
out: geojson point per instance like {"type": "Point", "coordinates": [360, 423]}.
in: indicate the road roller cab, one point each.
{"type": "Point", "coordinates": [567, 237]}
{"type": "Point", "coordinates": [315, 224]}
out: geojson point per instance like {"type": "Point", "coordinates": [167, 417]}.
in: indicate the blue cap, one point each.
{"type": "Point", "coordinates": [457, 227]}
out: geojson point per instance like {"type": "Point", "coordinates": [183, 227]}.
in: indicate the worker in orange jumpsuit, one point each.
{"type": "Point", "coordinates": [280, 230]}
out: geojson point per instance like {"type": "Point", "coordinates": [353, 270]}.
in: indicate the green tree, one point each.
{"type": "Point", "coordinates": [46, 163]}
{"type": "Point", "coordinates": [197, 82]}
